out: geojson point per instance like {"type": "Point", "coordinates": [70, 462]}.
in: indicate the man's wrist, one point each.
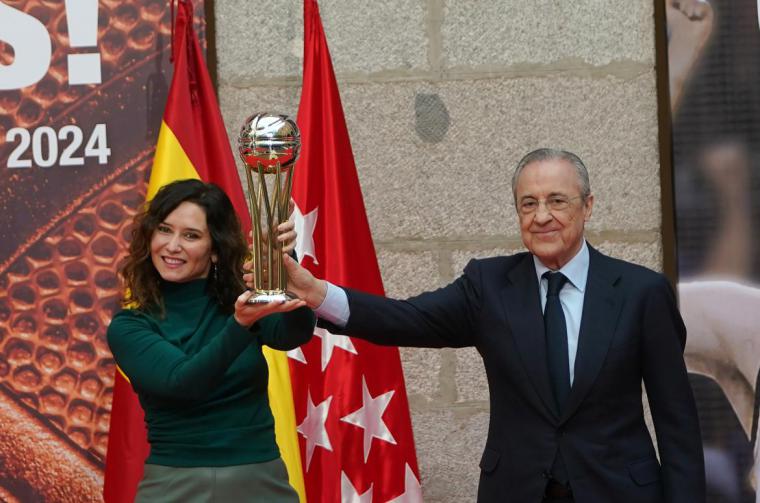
{"type": "Point", "coordinates": [320, 292]}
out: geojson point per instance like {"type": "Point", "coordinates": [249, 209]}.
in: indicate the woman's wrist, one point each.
{"type": "Point", "coordinates": [244, 325]}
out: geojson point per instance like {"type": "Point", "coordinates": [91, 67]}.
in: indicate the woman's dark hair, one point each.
{"type": "Point", "coordinates": [225, 283]}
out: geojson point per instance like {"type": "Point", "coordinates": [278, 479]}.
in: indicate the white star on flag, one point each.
{"type": "Point", "coordinates": [313, 427]}
{"type": "Point", "coordinates": [349, 494]}
{"type": "Point", "coordinates": [370, 418]}
{"type": "Point", "coordinates": [332, 341]}
{"type": "Point", "coordinates": [297, 355]}
{"type": "Point", "coordinates": [412, 488]}
{"type": "Point", "coordinates": [305, 225]}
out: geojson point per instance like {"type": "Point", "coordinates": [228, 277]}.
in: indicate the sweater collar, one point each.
{"type": "Point", "coordinates": [186, 290]}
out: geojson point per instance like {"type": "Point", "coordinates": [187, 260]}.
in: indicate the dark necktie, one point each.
{"type": "Point", "coordinates": [556, 339]}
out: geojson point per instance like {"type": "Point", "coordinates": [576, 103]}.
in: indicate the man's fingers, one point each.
{"type": "Point", "coordinates": [287, 225]}
{"type": "Point", "coordinates": [286, 237]}
{"type": "Point", "coordinates": [290, 264]}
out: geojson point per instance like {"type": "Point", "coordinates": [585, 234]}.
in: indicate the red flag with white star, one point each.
{"type": "Point", "coordinates": [351, 405]}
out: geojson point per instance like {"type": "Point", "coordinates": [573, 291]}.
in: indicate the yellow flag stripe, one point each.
{"type": "Point", "coordinates": [281, 402]}
{"type": "Point", "coordinates": [169, 164]}
{"type": "Point", "coordinates": [118, 369]}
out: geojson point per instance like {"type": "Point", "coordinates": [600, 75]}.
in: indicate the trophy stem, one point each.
{"type": "Point", "coordinates": [255, 228]}
{"type": "Point", "coordinates": [268, 212]}
{"type": "Point", "coordinates": [277, 200]}
{"type": "Point", "coordinates": [284, 211]}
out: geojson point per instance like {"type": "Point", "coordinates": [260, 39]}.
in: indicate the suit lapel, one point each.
{"type": "Point", "coordinates": [523, 312]}
{"type": "Point", "coordinates": [601, 308]}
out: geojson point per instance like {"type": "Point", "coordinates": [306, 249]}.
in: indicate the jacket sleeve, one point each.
{"type": "Point", "coordinates": [671, 400]}
{"type": "Point", "coordinates": [157, 367]}
{"type": "Point", "coordinates": [446, 317]}
{"type": "Point", "coordinates": [287, 331]}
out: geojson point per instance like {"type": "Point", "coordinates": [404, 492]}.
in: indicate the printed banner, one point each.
{"type": "Point", "coordinates": [714, 73]}
{"type": "Point", "coordinates": [83, 86]}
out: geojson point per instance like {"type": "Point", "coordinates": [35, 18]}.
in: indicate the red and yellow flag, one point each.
{"type": "Point", "coordinates": [192, 143]}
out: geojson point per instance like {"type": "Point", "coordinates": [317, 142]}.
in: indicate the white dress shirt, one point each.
{"type": "Point", "coordinates": [334, 307]}
{"type": "Point", "coordinates": [571, 297]}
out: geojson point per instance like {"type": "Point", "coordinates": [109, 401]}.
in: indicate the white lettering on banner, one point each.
{"type": "Point", "coordinates": [45, 146]}
{"type": "Point", "coordinates": [41, 157]}
{"type": "Point", "coordinates": [31, 49]}
{"type": "Point", "coordinates": [31, 45]}
{"type": "Point", "coordinates": [82, 23]}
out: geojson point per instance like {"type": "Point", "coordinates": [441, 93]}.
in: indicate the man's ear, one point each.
{"type": "Point", "coordinates": [588, 207]}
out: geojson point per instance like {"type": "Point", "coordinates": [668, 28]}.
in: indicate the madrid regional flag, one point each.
{"type": "Point", "coordinates": [351, 404]}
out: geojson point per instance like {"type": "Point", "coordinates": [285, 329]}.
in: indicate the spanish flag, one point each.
{"type": "Point", "coordinates": [192, 143]}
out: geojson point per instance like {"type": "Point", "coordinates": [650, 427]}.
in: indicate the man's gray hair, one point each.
{"type": "Point", "coordinates": [548, 154]}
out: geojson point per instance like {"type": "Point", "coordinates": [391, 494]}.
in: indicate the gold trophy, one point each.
{"type": "Point", "coordinates": [269, 145]}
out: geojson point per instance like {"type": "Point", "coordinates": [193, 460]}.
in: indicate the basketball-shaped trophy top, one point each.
{"type": "Point", "coordinates": [269, 140]}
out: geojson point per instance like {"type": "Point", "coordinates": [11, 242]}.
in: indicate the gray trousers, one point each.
{"type": "Point", "coordinates": [258, 482]}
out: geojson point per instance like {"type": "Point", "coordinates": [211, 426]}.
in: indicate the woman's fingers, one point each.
{"type": "Point", "coordinates": [248, 314]}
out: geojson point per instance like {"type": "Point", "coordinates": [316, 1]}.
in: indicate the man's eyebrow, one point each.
{"type": "Point", "coordinates": [551, 194]}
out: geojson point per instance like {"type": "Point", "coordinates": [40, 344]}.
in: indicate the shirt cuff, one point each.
{"type": "Point", "coordinates": [334, 308]}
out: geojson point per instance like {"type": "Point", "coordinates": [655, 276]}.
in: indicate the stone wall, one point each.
{"type": "Point", "coordinates": [442, 98]}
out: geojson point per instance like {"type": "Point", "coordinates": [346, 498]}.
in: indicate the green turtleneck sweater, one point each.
{"type": "Point", "coordinates": [202, 378]}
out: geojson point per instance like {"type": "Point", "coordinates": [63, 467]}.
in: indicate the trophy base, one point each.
{"type": "Point", "coordinates": [267, 297]}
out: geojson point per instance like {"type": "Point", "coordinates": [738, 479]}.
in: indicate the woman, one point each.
{"type": "Point", "coordinates": [191, 348]}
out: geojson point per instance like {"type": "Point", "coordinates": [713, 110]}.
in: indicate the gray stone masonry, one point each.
{"type": "Point", "coordinates": [442, 98]}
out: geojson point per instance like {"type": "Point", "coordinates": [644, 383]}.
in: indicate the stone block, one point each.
{"type": "Point", "coordinates": [263, 39]}
{"type": "Point", "coordinates": [646, 254]}
{"type": "Point", "coordinates": [472, 384]}
{"type": "Point", "coordinates": [591, 32]}
{"type": "Point", "coordinates": [449, 445]}
{"type": "Point", "coordinates": [422, 369]}
{"type": "Point", "coordinates": [408, 273]}
{"type": "Point", "coordinates": [461, 258]}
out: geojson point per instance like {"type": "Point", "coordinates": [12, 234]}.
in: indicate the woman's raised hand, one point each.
{"type": "Point", "coordinates": [248, 314]}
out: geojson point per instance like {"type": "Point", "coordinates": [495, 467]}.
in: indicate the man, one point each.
{"type": "Point", "coordinates": [567, 335]}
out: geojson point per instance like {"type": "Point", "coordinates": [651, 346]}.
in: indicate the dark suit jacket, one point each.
{"type": "Point", "coordinates": [630, 331]}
